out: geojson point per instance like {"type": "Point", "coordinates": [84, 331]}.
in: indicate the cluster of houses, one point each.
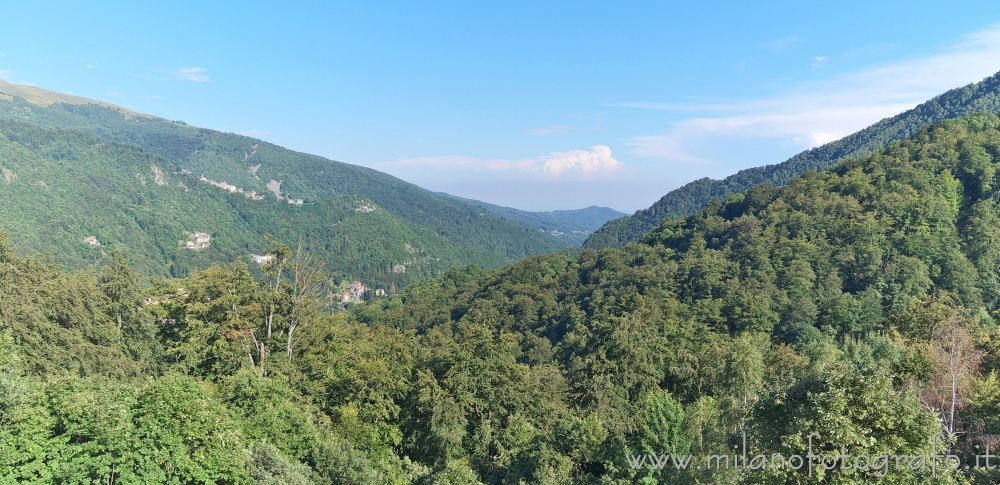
{"type": "Point", "coordinates": [354, 293]}
{"type": "Point", "coordinates": [198, 240]}
{"type": "Point", "coordinates": [358, 292]}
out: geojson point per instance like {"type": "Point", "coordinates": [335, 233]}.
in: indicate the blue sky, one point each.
{"type": "Point", "coordinates": [534, 105]}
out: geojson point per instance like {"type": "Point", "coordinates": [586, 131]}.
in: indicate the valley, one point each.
{"type": "Point", "coordinates": [181, 304]}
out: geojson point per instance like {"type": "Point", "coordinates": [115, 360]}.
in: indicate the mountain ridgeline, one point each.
{"type": "Point", "coordinates": [73, 169]}
{"type": "Point", "coordinates": [851, 313]}
{"type": "Point", "coordinates": [570, 225]}
{"type": "Point", "coordinates": [983, 96]}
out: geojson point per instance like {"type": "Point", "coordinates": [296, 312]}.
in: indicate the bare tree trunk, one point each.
{"type": "Point", "coordinates": [953, 364]}
{"type": "Point", "coordinates": [307, 285]}
{"type": "Point", "coordinates": [955, 367]}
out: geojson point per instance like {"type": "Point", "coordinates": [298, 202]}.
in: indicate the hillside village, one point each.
{"type": "Point", "coordinates": [355, 292]}
{"type": "Point", "coordinates": [197, 241]}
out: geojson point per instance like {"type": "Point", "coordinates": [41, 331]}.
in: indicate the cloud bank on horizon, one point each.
{"type": "Point", "coordinates": [573, 163]}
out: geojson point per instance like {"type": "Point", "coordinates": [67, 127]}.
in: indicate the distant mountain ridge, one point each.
{"type": "Point", "coordinates": [573, 225]}
{"type": "Point", "coordinates": [44, 97]}
{"type": "Point", "coordinates": [591, 218]}
{"type": "Point", "coordinates": [71, 169]}
{"type": "Point", "coordinates": [983, 96]}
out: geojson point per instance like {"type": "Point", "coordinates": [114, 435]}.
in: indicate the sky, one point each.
{"type": "Point", "coordinates": [532, 105]}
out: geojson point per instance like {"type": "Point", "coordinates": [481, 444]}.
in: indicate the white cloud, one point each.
{"type": "Point", "coordinates": [557, 164]}
{"type": "Point", "coordinates": [186, 73]}
{"type": "Point", "coordinates": [598, 159]}
{"type": "Point", "coordinates": [817, 113]}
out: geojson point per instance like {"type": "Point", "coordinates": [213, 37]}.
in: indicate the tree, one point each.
{"type": "Point", "coordinates": [305, 295]}
{"type": "Point", "coordinates": [121, 284]}
{"type": "Point", "coordinates": [744, 376]}
{"type": "Point", "coordinates": [660, 430]}
{"type": "Point", "coordinates": [126, 307]}
{"type": "Point", "coordinates": [954, 369]}
{"type": "Point", "coordinates": [218, 333]}
{"type": "Point", "coordinates": [838, 409]}
{"type": "Point", "coordinates": [278, 254]}
{"type": "Point", "coordinates": [189, 435]}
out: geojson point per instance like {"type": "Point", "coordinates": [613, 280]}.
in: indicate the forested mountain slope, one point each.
{"type": "Point", "coordinates": [848, 312]}
{"type": "Point", "coordinates": [983, 96]}
{"type": "Point", "coordinates": [141, 184]}
{"type": "Point", "coordinates": [841, 304]}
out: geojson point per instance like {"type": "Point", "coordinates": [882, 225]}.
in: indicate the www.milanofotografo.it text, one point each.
{"type": "Point", "coordinates": [815, 460]}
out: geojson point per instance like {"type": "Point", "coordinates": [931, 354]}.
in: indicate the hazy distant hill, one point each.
{"type": "Point", "coordinates": [70, 170]}
{"type": "Point", "coordinates": [573, 225]}
{"type": "Point", "coordinates": [983, 96]}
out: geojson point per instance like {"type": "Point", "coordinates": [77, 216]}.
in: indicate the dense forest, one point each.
{"type": "Point", "coordinates": [141, 185]}
{"type": "Point", "coordinates": [851, 313]}
{"type": "Point", "coordinates": [983, 96]}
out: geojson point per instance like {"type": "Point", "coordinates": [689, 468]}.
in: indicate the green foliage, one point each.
{"type": "Point", "coordinates": [270, 467]}
{"type": "Point", "coordinates": [850, 412]}
{"type": "Point", "coordinates": [188, 432]}
{"type": "Point", "coordinates": [774, 315]}
{"type": "Point", "coordinates": [58, 320]}
{"type": "Point", "coordinates": [854, 308]}
{"type": "Point", "coordinates": [660, 430]}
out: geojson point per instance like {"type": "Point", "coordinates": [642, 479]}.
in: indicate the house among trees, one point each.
{"type": "Point", "coordinates": [262, 259]}
{"type": "Point", "coordinates": [92, 240]}
{"type": "Point", "coordinates": [355, 293]}
{"type": "Point", "coordinates": [198, 240]}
